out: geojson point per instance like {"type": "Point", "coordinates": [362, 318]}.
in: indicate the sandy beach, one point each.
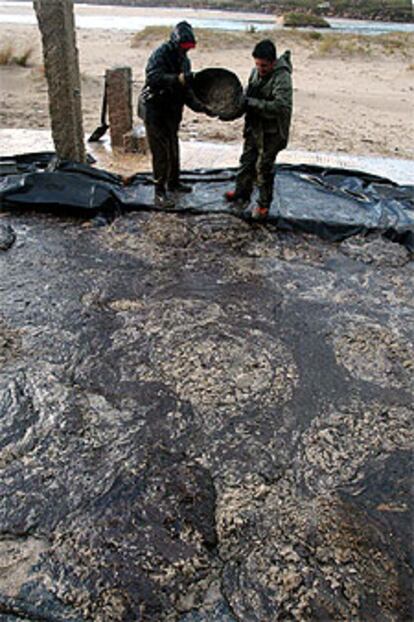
{"type": "Point", "coordinates": [351, 96]}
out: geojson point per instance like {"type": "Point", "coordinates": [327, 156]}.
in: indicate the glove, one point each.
{"type": "Point", "coordinates": [185, 79]}
{"type": "Point", "coordinates": [209, 112]}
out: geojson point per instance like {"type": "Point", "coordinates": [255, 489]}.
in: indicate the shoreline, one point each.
{"type": "Point", "coordinates": [347, 13]}
{"type": "Point", "coordinates": [230, 13]}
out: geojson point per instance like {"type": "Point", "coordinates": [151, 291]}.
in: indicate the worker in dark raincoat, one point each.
{"type": "Point", "coordinates": [167, 89]}
{"type": "Point", "coordinates": [268, 106]}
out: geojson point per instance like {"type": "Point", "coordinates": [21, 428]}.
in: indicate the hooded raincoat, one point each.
{"type": "Point", "coordinates": [161, 103]}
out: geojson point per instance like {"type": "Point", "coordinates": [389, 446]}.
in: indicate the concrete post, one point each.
{"type": "Point", "coordinates": [119, 98]}
{"type": "Point", "coordinates": [57, 27]}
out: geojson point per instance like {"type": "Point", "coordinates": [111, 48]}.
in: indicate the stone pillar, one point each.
{"type": "Point", "coordinates": [119, 98]}
{"type": "Point", "coordinates": [57, 27]}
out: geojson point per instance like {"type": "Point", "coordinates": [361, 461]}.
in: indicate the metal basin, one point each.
{"type": "Point", "coordinates": [220, 90]}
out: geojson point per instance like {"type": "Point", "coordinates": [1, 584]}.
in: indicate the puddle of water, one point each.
{"type": "Point", "coordinates": [398, 170]}
{"type": "Point", "coordinates": [208, 155]}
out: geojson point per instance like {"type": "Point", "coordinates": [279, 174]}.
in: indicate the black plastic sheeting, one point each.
{"type": "Point", "coordinates": [332, 203]}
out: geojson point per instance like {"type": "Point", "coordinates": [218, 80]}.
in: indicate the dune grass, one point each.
{"type": "Point", "coordinates": [206, 37]}
{"type": "Point", "coordinates": [6, 54]}
{"type": "Point", "coordinates": [210, 39]}
{"type": "Point", "coordinates": [349, 45]}
{"type": "Point", "coordinates": [327, 44]}
{"type": "Point", "coordinates": [339, 46]}
{"type": "Point", "coordinates": [23, 58]}
{"type": "Point", "coordinates": [9, 56]}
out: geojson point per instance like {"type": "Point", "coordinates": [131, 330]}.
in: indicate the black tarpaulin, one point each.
{"type": "Point", "coordinates": [332, 203]}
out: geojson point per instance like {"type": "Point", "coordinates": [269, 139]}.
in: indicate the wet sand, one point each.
{"type": "Point", "coordinates": [357, 104]}
{"type": "Point", "coordinates": [207, 155]}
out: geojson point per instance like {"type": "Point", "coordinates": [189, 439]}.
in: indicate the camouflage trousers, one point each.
{"type": "Point", "coordinates": [257, 164]}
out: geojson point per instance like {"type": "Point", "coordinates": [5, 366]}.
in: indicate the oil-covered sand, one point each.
{"type": "Point", "coordinates": [203, 421]}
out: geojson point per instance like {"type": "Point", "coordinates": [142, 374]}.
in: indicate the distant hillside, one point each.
{"type": "Point", "coordinates": [392, 10]}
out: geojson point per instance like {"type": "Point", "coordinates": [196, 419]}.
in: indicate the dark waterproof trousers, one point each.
{"type": "Point", "coordinates": [163, 143]}
{"type": "Point", "coordinates": [257, 164]}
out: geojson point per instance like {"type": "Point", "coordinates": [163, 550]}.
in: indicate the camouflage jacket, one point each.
{"type": "Point", "coordinates": [270, 101]}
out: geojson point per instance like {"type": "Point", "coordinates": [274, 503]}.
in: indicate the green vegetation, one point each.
{"type": "Point", "coordinates": [8, 56]}
{"type": "Point", "coordinates": [396, 10]}
{"type": "Point", "coordinates": [304, 20]}
{"type": "Point", "coordinates": [22, 59]}
{"type": "Point", "coordinates": [315, 36]}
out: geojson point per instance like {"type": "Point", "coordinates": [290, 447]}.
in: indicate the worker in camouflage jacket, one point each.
{"type": "Point", "coordinates": [167, 89]}
{"type": "Point", "coordinates": [268, 106]}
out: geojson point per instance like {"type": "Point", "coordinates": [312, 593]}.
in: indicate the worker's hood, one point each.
{"type": "Point", "coordinates": [284, 62]}
{"type": "Point", "coordinates": [183, 34]}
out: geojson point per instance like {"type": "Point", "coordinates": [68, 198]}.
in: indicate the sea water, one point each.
{"type": "Point", "coordinates": [136, 18]}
